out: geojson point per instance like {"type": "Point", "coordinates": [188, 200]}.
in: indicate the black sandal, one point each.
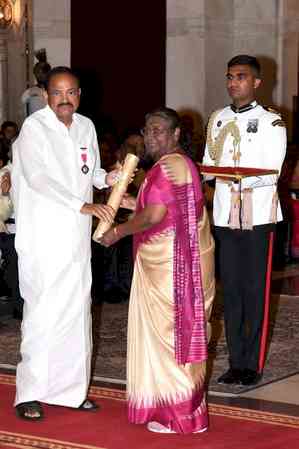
{"type": "Point", "coordinates": [88, 406]}
{"type": "Point", "coordinates": [25, 410]}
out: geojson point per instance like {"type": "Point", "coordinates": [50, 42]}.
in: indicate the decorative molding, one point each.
{"type": "Point", "coordinates": [291, 25]}
{"type": "Point", "coordinates": [224, 29]}
{"type": "Point", "coordinates": [54, 29]}
{"type": "Point", "coordinates": [3, 50]}
{"type": "Point", "coordinates": [185, 25]}
{"type": "Point", "coordinates": [248, 29]}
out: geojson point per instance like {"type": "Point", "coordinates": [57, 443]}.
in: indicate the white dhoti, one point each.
{"type": "Point", "coordinates": [53, 245]}
{"type": "Point", "coordinates": [56, 330]}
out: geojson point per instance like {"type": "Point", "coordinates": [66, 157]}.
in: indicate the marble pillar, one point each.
{"type": "Point", "coordinates": [185, 66]}
{"type": "Point", "coordinates": [202, 35]}
{"type": "Point", "coordinates": [289, 61]}
{"type": "Point", "coordinates": [3, 79]}
{"type": "Point", "coordinates": [52, 30]}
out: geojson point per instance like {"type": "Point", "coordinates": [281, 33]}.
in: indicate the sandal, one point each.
{"type": "Point", "coordinates": [156, 427]}
{"type": "Point", "coordinates": [88, 406]}
{"type": "Point", "coordinates": [31, 411]}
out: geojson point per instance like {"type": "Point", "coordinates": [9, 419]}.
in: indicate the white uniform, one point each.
{"type": "Point", "coordinates": [33, 100]}
{"type": "Point", "coordinates": [263, 145]}
{"type": "Point", "coordinates": [53, 246]}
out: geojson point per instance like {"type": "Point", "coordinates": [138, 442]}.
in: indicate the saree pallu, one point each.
{"type": "Point", "coordinates": [158, 387]}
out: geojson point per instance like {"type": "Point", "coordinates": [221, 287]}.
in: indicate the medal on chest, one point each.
{"type": "Point", "coordinates": [84, 168]}
{"type": "Point", "coordinates": [252, 125]}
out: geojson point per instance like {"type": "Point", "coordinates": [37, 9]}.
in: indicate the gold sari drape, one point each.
{"type": "Point", "coordinates": [158, 388]}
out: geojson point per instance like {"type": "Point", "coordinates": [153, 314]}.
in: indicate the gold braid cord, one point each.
{"type": "Point", "coordinates": [215, 147]}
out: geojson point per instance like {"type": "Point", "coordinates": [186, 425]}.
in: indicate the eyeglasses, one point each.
{"type": "Point", "coordinates": [156, 132]}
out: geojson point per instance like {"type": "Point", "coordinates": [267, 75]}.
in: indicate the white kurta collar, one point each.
{"type": "Point", "coordinates": [54, 122]}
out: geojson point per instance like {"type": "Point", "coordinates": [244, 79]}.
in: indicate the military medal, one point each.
{"type": "Point", "coordinates": [84, 168]}
{"type": "Point", "coordinates": [252, 126]}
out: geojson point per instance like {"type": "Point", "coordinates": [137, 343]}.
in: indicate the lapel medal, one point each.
{"type": "Point", "coordinates": [84, 167]}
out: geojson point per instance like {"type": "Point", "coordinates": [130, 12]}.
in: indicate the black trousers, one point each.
{"type": "Point", "coordinates": [243, 265]}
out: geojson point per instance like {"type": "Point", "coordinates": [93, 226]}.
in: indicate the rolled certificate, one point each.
{"type": "Point", "coordinates": [118, 190]}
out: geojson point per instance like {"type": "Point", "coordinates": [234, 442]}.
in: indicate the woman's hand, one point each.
{"type": "Point", "coordinates": [128, 202]}
{"type": "Point", "coordinates": [114, 176]}
{"type": "Point", "coordinates": [110, 237]}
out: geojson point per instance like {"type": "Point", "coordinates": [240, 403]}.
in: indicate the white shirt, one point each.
{"type": "Point", "coordinates": [263, 145]}
{"type": "Point", "coordinates": [33, 100]}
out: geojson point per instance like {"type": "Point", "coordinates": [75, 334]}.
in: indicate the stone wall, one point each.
{"type": "Point", "coordinates": [202, 35]}
{"type": "Point", "coordinates": [16, 62]}
{"type": "Point", "coordinates": [52, 29]}
{"type": "Point", "coordinates": [48, 27]}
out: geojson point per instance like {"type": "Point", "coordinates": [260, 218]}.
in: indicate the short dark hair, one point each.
{"type": "Point", "coordinates": [60, 70]}
{"type": "Point", "coordinates": [8, 124]}
{"type": "Point", "coordinates": [168, 114]}
{"type": "Point", "coordinates": [41, 70]}
{"type": "Point", "coordinates": [246, 60]}
{"type": "Point", "coordinates": [3, 153]}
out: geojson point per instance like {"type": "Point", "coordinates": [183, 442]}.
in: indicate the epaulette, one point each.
{"type": "Point", "coordinates": [278, 122]}
{"type": "Point", "coordinates": [270, 109]}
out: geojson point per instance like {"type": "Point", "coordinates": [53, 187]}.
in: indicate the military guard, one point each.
{"type": "Point", "coordinates": [244, 134]}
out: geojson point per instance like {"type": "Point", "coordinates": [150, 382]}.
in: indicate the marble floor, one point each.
{"type": "Point", "coordinates": [284, 391]}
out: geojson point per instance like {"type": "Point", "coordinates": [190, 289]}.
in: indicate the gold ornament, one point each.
{"type": "Point", "coordinates": [215, 147]}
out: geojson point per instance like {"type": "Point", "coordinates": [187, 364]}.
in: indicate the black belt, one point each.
{"type": "Point", "coordinates": [10, 221]}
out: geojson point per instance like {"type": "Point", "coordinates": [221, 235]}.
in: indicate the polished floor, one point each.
{"type": "Point", "coordinates": [282, 395]}
{"type": "Point", "coordinates": [284, 391]}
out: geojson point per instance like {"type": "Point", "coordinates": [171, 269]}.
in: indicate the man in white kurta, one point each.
{"type": "Point", "coordinates": [55, 165]}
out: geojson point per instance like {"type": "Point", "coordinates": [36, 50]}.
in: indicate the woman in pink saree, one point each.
{"type": "Point", "coordinates": [172, 289]}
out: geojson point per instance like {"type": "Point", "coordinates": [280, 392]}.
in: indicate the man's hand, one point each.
{"type": "Point", "coordinates": [101, 211]}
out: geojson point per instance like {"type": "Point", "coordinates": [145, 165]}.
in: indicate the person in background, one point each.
{"type": "Point", "coordinates": [8, 134]}
{"type": "Point", "coordinates": [33, 98]}
{"type": "Point", "coordinates": [7, 238]}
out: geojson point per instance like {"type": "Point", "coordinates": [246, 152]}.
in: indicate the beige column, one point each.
{"type": "Point", "coordinates": [218, 50]}
{"type": "Point", "coordinates": [52, 29]}
{"type": "Point", "coordinates": [3, 80]}
{"type": "Point", "coordinates": [288, 59]}
{"type": "Point", "coordinates": [185, 68]}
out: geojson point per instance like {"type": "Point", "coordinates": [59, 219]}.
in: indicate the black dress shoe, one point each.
{"type": "Point", "coordinates": [250, 377]}
{"type": "Point", "coordinates": [232, 376]}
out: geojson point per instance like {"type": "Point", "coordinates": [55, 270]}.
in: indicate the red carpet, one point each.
{"type": "Point", "coordinates": [63, 428]}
